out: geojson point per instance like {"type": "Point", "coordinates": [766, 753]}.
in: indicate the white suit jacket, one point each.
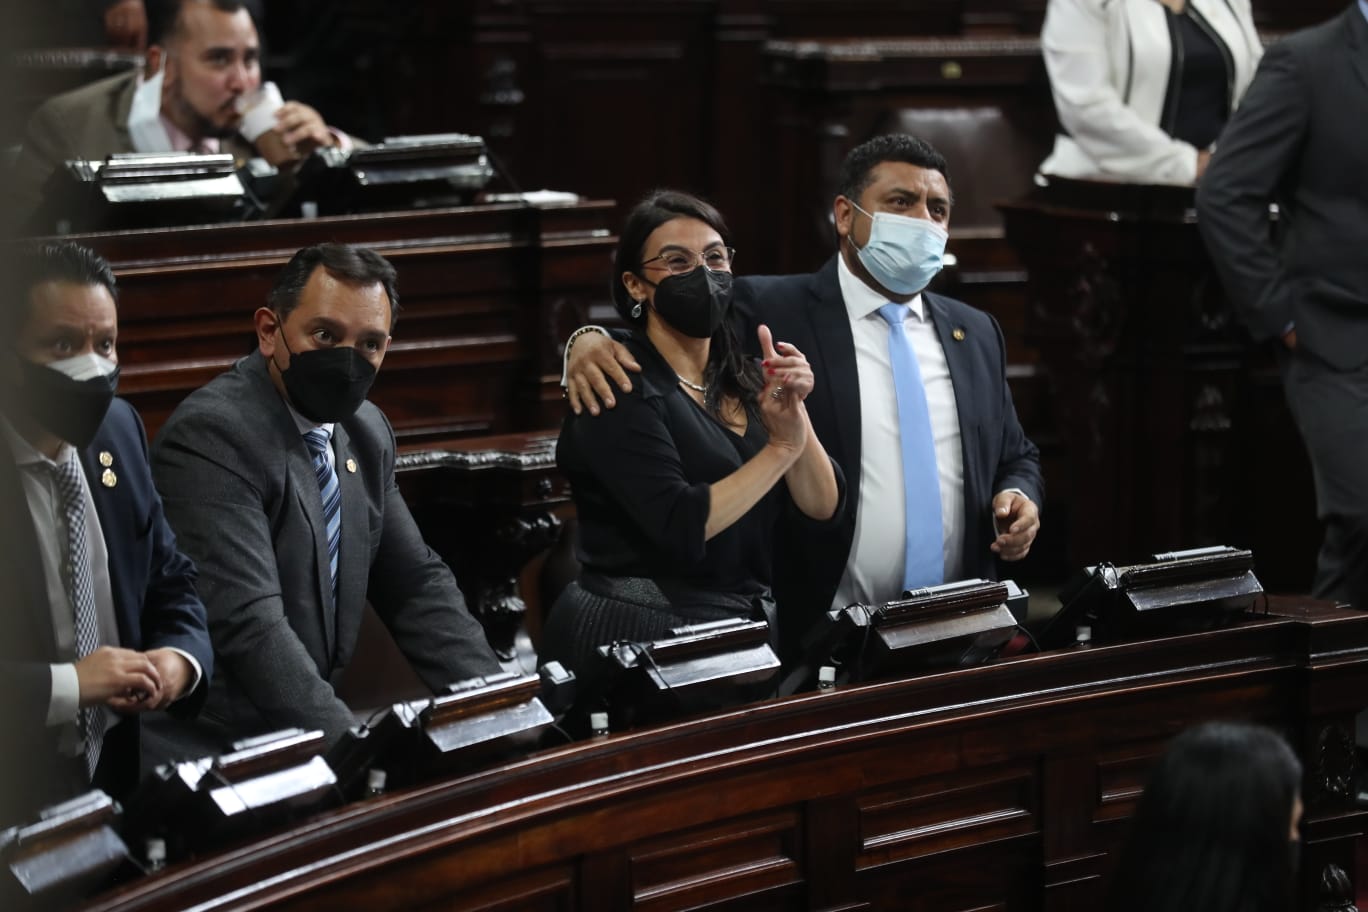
{"type": "Point", "coordinates": [1109, 63]}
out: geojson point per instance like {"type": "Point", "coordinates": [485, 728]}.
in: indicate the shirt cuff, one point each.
{"type": "Point", "coordinates": [65, 700]}
{"type": "Point", "coordinates": [344, 142]}
{"type": "Point", "coordinates": [199, 672]}
{"type": "Point", "coordinates": [565, 356]}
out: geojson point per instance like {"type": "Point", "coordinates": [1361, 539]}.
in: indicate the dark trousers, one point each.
{"type": "Point", "coordinates": [1330, 408]}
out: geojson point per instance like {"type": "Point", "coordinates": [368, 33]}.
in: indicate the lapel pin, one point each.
{"type": "Point", "coordinates": [108, 478]}
{"type": "Point", "coordinates": [351, 466]}
{"type": "Point", "coordinates": [106, 458]}
{"type": "Point", "coordinates": [958, 334]}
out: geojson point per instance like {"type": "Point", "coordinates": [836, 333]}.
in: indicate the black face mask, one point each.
{"type": "Point", "coordinates": [696, 302]}
{"type": "Point", "coordinates": [327, 384]}
{"type": "Point", "coordinates": [70, 409]}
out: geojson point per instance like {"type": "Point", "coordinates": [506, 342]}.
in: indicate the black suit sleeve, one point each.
{"type": "Point", "coordinates": [1019, 459]}
{"type": "Point", "coordinates": [173, 615]}
{"type": "Point", "coordinates": [632, 454]}
{"type": "Point", "coordinates": [1258, 148]}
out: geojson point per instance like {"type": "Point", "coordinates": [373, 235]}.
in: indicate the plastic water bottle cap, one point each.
{"type": "Point", "coordinates": [375, 780]}
{"type": "Point", "coordinates": [156, 850]}
{"type": "Point", "coordinates": [598, 723]}
{"type": "Point", "coordinates": [826, 674]}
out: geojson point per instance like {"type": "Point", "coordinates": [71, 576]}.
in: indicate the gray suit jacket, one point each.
{"type": "Point", "coordinates": [240, 490]}
{"type": "Point", "coordinates": [91, 123]}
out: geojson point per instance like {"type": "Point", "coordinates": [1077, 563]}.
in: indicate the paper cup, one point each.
{"type": "Point", "coordinates": [258, 111]}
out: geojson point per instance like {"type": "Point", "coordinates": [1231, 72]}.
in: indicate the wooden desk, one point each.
{"type": "Point", "coordinates": [488, 295]}
{"type": "Point", "coordinates": [1000, 787]}
{"type": "Point", "coordinates": [488, 506]}
{"type": "Point", "coordinates": [1170, 418]}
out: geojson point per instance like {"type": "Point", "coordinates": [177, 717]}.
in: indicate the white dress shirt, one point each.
{"type": "Point", "coordinates": [44, 503]}
{"type": "Point", "coordinates": [874, 572]}
{"type": "Point", "coordinates": [49, 523]}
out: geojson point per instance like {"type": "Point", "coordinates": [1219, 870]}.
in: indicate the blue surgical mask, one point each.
{"type": "Point", "coordinates": [903, 254]}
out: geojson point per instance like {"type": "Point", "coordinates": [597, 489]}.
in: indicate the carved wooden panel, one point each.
{"type": "Point", "coordinates": [946, 812]}
{"type": "Point", "coordinates": [749, 856]}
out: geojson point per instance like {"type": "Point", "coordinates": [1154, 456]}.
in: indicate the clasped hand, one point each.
{"type": "Point", "coordinates": [129, 681]}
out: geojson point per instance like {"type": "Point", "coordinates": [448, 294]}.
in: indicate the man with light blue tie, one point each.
{"type": "Point", "coordinates": [911, 398]}
{"type": "Point", "coordinates": [278, 477]}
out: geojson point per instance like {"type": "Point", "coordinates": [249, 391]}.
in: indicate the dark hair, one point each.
{"type": "Point", "coordinates": [352, 265]}
{"type": "Point", "coordinates": [857, 169]}
{"type": "Point", "coordinates": [1211, 829]}
{"type": "Point", "coordinates": [32, 265]}
{"type": "Point", "coordinates": [164, 16]}
{"type": "Point", "coordinates": [728, 371]}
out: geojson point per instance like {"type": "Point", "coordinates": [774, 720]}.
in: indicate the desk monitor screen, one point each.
{"type": "Point", "coordinates": [956, 624]}
{"type": "Point", "coordinates": [142, 190]}
{"type": "Point", "coordinates": [1172, 592]}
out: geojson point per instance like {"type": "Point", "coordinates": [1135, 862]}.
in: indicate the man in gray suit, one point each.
{"type": "Point", "coordinates": [204, 56]}
{"type": "Point", "coordinates": [1300, 138]}
{"type": "Point", "coordinates": [278, 478]}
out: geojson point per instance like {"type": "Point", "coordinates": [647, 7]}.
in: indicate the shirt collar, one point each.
{"type": "Point", "coordinates": [861, 301]}
{"type": "Point", "coordinates": [1363, 8]}
{"type": "Point", "coordinates": [25, 454]}
{"type": "Point", "coordinates": [182, 143]}
{"type": "Point", "coordinates": [304, 424]}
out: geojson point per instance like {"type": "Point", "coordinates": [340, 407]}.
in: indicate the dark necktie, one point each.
{"type": "Point", "coordinates": [924, 558]}
{"type": "Point", "coordinates": [81, 590]}
{"type": "Point", "coordinates": [317, 440]}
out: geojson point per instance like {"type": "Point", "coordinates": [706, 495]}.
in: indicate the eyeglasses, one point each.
{"type": "Point", "coordinates": [679, 262]}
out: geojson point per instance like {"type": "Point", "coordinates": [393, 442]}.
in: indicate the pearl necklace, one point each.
{"type": "Point", "coordinates": [697, 388]}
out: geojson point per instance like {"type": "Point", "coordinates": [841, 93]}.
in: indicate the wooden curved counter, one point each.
{"type": "Point", "coordinates": [998, 787]}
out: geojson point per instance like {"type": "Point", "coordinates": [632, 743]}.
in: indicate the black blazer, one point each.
{"type": "Point", "coordinates": [1300, 138]}
{"type": "Point", "coordinates": [808, 311]}
{"type": "Point", "coordinates": [155, 606]}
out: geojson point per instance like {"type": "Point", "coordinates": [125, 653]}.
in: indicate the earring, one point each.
{"type": "Point", "coordinates": [636, 311]}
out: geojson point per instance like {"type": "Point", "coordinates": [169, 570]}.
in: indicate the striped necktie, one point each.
{"type": "Point", "coordinates": [924, 557]}
{"type": "Point", "coordinates": [318, 439]}
{"type": "Point", "coordinates": [81, 590]}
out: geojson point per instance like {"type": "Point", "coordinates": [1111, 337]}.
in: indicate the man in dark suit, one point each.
{"type": "Point", "coordinates": [204, 56]}
{"type": "Point", "coordinates": [1300, 138]}
{"type": "Point", "coordinates": [278, 477]}
{"type": "Point", "coordinates": [891, 216]}
{"type": "Point", "coordinates": [101, 622]}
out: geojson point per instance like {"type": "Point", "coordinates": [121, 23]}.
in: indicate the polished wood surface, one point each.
{"type": "Point", "coordinates": [488, 295]}
{"type": "Point", "coordinates": [1176, 432]}
{"type": "Point", "coordinates": [1005, 786]}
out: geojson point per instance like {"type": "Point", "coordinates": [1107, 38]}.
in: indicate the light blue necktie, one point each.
{"type": "Point", "coordinates": [317, 439]}
{"type": "Point", "coordinates": [924, 558]}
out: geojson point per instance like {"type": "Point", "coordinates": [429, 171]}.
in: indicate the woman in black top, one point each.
{"type": "Point", "coordinates": [678, 488]}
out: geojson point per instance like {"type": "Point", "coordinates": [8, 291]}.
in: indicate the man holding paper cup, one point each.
{"type": "Point", "coordinates": [201, 91]}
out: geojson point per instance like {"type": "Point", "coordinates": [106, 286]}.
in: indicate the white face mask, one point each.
{"type": "Point", "coordinates": [145, 125]}
{"type": "Point", "coordinates": [84, 367]}
{"type": "Point", "coordinates": [903, 253]}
